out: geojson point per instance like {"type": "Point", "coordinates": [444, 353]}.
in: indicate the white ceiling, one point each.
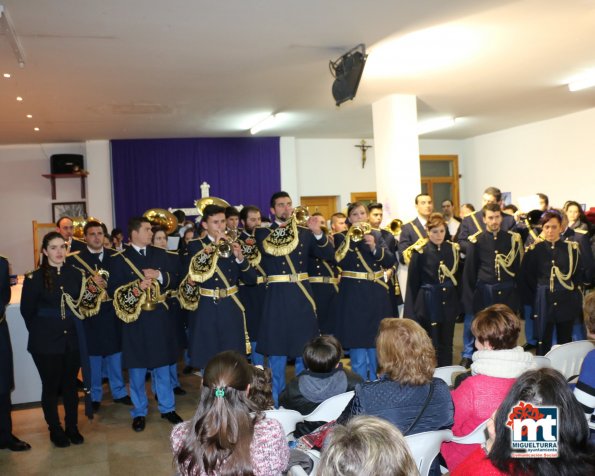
{"type": "Point", "coordinates": [106, 69]}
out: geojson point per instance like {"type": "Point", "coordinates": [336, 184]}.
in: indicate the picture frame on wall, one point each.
{"type": "Point", "coordinates": [70, 209]}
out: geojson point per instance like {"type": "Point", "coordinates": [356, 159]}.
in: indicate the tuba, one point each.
{"type": "Point", "coordinates": [201, 203]}
{"type": "Point", "coordinates": [394, 227]}
{"type": "Point", "coordinates": [79, 226]}
{"type": "Point", "coordinates": [357, 232]}
{"type": "Point", "coordinates": [163, 218]}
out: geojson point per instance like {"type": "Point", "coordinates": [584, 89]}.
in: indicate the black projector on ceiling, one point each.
{"type": "Point", "coordinates": [347, 71]}
{"type": "Point", "coordinates": [66, 163]}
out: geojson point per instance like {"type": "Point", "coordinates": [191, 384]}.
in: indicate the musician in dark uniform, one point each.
{"type": "Point", "coordinates": [550, 278]}
{"type": "Point", "coordinates": [432, 298]}
{"type": "Point", "coordinates": [215, 266]}
{"type": "Point", "coordinates": [375, 216]}
{"type": "Point", "coordinates": [289, 314]}
{"type": "Point", "coordinates": [7, 439]}
{"type": "Point", "coordinates": [473, 223]}
{"type": "Point", "coordinates": [178, 315]}
{"type": "Point", "coordinates": [49, 306]}
{"type": "Point", "coordinates": [252, 295]}
{"type": "Point", "coordinates": [364, 298]}
{"type": "Point", "coordinates": [104, 330]}
{"type": "Point", "coordinates": [139, 278]}
{"type": "Point", "coordinates": [415, 230]}
{"type": "Point", "coordinates": [491, 270]}
{"type": "Point", "coordinates": [65, 226]}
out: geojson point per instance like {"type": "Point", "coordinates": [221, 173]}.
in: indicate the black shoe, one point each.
{"type": "Point", "coordinates": [466, 362]}
{"type": "Point", "coordinates": [138, 423]}
{"type": "Point", "coordinates": [15, 445]}
{"type": "Point", "coordinates": [460, 319]}
{"type": "Point", "coordinates": [74, 436]}
{"type": "Point", "coordinates": [59, 438]}
{"type": "Point", "coordinates": [124, 400]}
{"type": "Point", "coordinates": [527, 346]}
{"type": "Point", "coordinates": [179, 391]}
{"type": "Point", "coordinates": [95, 406]}
{"type": "Point", "coordinates": [172, 417]}
{"type": "Point", "coordinates": [187, 370]}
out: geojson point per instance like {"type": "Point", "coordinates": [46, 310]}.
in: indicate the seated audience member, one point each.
{"type": "Point", "coordinates": [406, 395]}
{"type": "Point", "coordinates": [585, 387]}
{"type": "Point", "coordinates": [496, 364]}
{"type": "Point", "coordinates": [576, 456]}
{"type": "Point", "coordinates": [261, 388]}
{"type": "Point", "coordinates": [366, 446]}
{"type": "Point", "coordinates": [323, 378]}
{"type": "Point", "coordinates": [225, 436]}
{"type": "Point", "coordinates": [577, 220]}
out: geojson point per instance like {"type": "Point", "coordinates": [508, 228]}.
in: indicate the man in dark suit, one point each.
{"type": "Point", "coordinates": [415, 230]}
{"type": "Point", "coordinates": [7, 439]}
{"type": "Point", "coordinates": [139, 277]}
{"type": "Point", "coordinates": [65, 226]}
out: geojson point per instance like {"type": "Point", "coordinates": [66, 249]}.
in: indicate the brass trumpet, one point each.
{"type": "Point", "coordinates": [154, 297]}
{"type": "Point", "coordinates": [357, 232]}
{"type": "Point", "coordinates": [301, 215]}
{"type": "Point", "coordinates": [394, 226]}
{"type": "Point", "coordinates": [224, 249]}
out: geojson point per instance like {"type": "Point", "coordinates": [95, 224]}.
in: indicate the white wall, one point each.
{"type": "Point", "coordinates": [555, 157]}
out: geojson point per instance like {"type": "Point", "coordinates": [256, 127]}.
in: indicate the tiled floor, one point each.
{"type": "Point", "coordinates": [111, 448]}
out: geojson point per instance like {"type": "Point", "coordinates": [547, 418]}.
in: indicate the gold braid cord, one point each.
{"type": "Point", "coordinates": [505, 261]}
{"type": "Point", "coordinates": [444, 271]}
{"type": "Point", "coordinates": [556, 273]}
{"type": "Point", "coordinates": [417, 246]}
{"type": "Point", "coordinates": [343, 248]}
{"type": "Point", "coordinates": [128, 300]}
{"type": "Point", "coordinates": [250, 251]}
{"type": "Point", "coordinates": [68, 300]}
{"type": "Point", "coordinates": [188, 295]}
{"type": "Point", "coordinates": [203, 265]}
{"type": "Point", "coordinates": [282, 240]}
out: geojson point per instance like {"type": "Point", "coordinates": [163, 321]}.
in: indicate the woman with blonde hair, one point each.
{"type": "Point", "coordinates": [366, 446]}
{"type": "Point", "coordinates": [227, 435]}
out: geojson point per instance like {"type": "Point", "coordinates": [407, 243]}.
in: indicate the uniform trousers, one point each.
{"type": "Point", "coordinates": [173, 378]}
{"type": "Point", "coordinates": [277, 364]}
{"type": "Point", "coordinates": [563, 333]}
{"type": "Point", "coordinates": [364, 362]}
{"type": "Point", "coordinates": [112, 364]}
{"type": "Point", "coordinates": [529, 328]}
{"type": "Point", "coordinates": [5, 419]}
{"type": "Point", "coordinates": [58, 373]}
{"type": "Point", "coordinates": [257, 359]}
{"type": "Point", "coordinates": [163, 390]}
{"type": "Point", "coordinates": [468, 339]}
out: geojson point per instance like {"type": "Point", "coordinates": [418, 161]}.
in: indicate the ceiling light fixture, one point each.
{"type": "Point", "coordinates": [19, 98]}
{"type": "Point", "coordinates": [36, 128]}
{"type": "Point", "coordinates": [29, 116]}
{"type": "Point", "coordinates": [584, 81]}
{"type": "Point", "coordinates": [435, 124]}
{"type": "Point", "coordinates": [11, 36]}
{"type": "Point", "coordinates": [6, 75]}
{"type": "Point", "coordinates": [266, 123]}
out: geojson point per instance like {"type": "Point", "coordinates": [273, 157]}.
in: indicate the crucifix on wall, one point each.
{"type": "Point", "coordinates": [364, 147]}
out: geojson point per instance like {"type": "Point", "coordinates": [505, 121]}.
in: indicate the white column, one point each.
{"type": "Point", "coordinates": [289, 171]}
{"type": "Point", "coordinates": [99, 182]}
{"type": "Point", "coordinates": [396, 145]}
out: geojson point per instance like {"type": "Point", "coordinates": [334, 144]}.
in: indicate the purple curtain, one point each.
{"type": "Point", "coordinates": [163, 173]}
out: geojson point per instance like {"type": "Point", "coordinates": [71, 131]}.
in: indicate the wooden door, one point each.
{"type": "Point", "coordinates": [440, 179]}
{"type": "Point", "coordinates": [327, 205]}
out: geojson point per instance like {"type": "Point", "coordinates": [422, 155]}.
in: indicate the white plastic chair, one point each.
{"type": "Point", "coordinates": [477, 436]}
{"type": "Point", "coordinates": [287, 418]}
{"type": "Point", "coordinates": [299, 471]}
{"type": "Point", "coordinates": [568, 358]}
{"type": "Point", "coordinates": [331, 408]}
{"type": "Point", "coordinates": [425, 446]}
{"type": "Point", "coordinates": [542, 362]}
{"type": "Point", "coordinates": [446, 373]}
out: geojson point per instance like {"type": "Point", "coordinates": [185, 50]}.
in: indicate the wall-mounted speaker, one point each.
{"type": "Point", "coordinates": [66, 163]}
{"type": "Point", "coordinates": [347, 71]}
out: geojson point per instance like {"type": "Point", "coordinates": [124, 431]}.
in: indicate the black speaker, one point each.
{"type": "Point", "coordinates": [66, 163]}
{"type": "Point", "coordinates": [348, 71]}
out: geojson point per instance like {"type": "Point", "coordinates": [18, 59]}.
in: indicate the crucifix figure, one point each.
{"type": "Point", "coordinates": [364, 147]}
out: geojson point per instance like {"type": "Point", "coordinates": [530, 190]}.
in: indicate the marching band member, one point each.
{"type": "Point", "coordinates": [289, 315]}
{"type": "Point", "coordinates": [252, 295]}
{"type": "Point", "coordinates": [139, 277]}
{"type": "Point", "coordinates": [364, 299]}
{"type": "Point", "coordinates": [415, 231]}
{"type": "Point", "coordinates": [490, 274]}
{"type": "Point", "coordinates": [65, 226]}
{"type": "Point", "coordinates": [103, 331]}
{"type": "Point", "coordinates": [431, 297]}
{"type": "Point", "coordinates": [50, 306]}
{"type": "Point", "coordinates": [215, 265]}
{"type": "Point", "coordinates": [550, 279]}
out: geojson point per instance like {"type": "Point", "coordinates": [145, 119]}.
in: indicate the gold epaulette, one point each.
{"type": "Point", "coordinates": [516, 235]}
{"type": "Point", "coordinates": [456, 246]}
{"type": "Point", "coordinates": [73, 253]}
{"type": "Point", "coordinates": [29, 274]}
{"type": "Point", "coordinates": [582, 232]}
{"type": "Point", "coordinates": [574, 244]}
{"type": "Point", "coordinates": [2, 256]}
{"type": "Point", "coordinates": [172, 252]}
{"type": "Point", "coordinates": [473, 238]}
{"type": "Point", "coordinates": [74, 238]}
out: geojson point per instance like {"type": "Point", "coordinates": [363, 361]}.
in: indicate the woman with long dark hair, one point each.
{"type": "Point", "coordinates": [431, 297]}
{"type": "Point", "coordinates": [48, 305]}
{"type": "Point", "coordinates": [364, 298]}
{"type": "Point", "coordinates": [227, 436]}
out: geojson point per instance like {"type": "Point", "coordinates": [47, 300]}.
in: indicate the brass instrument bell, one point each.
{"type": "Point", "coordinates": [163, 218]}
{"type": "Point", "coordinates": [357, 232]}
{"type": "Point", "coordinates": [79, 226]}
{"type": "Point", "coordinates": [394, 226]}
{"type": "Point", "coordinates": [301, 215]}
{"type": "Point", "coordinates": [201, 203]}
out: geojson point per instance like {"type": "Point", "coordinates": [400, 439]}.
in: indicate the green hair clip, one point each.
{"type": "Point", "coordinates": [219, 392]}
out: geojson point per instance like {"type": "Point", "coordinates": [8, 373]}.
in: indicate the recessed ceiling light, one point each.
{"type": "Point", "coordinates": [6, 75]}
{"type": "Point", "coordinates": [19, 98]}
{"type": "Point", "coordinates": [435, 124]}
{"type": "Point", "coordinates": [584, 81]}
{"type": "Point", "coordinates": [36, 128]}
{"type": "Point", "coordinates": [29, 116]}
